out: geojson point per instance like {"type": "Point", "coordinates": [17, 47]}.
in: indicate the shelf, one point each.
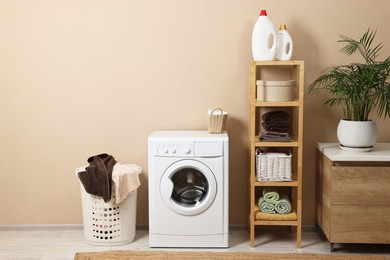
{"type": "Point", "coordinates": [294, 103]}
{"type": "Point", "coordinates": [275, 144]}
{"type": "Point", "coordinates": [276, 223]}
{"type": "Point", "coordinates": [278, 63]}
{"type": "Point", "coordinates": [276, 183]}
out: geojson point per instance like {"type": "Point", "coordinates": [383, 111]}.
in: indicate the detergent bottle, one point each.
{"type": "Point", "coordinates": [264, 40]}
{"type": "Point", "coordinates": [285, 44]}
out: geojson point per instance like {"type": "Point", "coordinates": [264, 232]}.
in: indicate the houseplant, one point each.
{"type": "Point", "coordinates": [359, 88]}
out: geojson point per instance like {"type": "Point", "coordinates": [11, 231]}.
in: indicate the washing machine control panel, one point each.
{"type": "Point", "coordinates": [181, 149]}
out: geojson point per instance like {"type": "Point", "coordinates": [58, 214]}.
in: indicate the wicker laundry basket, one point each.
{"type": "Point", "coordinates": [216, 121]}
{"type": "Point", "coordinates": [273, 166]}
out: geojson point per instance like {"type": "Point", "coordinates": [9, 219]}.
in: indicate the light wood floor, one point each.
{"type": "Point", "coordinates": [62, 242]}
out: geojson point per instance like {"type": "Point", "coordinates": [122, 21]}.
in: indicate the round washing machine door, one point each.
{"type": "Point", "coordinates": [188, 187]}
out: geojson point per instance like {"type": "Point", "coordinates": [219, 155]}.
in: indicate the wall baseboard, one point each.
{"type": "Point", "coordinates": [3, 227]}
{"type": "Point", "coordinates": [40, 226]}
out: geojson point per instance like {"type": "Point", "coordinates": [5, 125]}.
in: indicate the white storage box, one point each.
{"type": "Point", "coordinates": [275, 90]}
{"type": "Point", "coordinates": [108, 224]}
{"type": "Point", "coordinates": [273, 166]}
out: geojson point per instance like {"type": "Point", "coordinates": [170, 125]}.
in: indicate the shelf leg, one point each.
{"type": "Point", "coordinates": [299, 237]}
{"type": "Point", "coordinates": [252, 235]}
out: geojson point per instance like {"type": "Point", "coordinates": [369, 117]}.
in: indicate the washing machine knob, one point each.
{"type": "Point", "coordinates": [165, 150]}
{"type": "Point", "coordinates": [187, 150]}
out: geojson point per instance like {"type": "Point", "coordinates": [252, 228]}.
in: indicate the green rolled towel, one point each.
{"type": "Point", "coordinates": [283, 205]}
{"type": "Point", "coordinates": [271, 194]}
{"type": "Point", "coordinates": [266, 207]}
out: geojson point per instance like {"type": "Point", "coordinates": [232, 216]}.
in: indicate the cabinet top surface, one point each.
{"type": "Point", "coordinates": [380, 153]}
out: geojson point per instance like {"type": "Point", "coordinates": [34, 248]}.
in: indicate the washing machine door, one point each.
{"type": "Point", "coordinates": [188, 187]}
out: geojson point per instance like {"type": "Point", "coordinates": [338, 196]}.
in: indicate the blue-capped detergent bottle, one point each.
{"type": "Point", "coordinates": [264, 39]}
{"type": "Point", "coordinates": [285, 44]}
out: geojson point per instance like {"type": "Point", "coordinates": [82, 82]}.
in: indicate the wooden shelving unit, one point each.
{"type": "Point", "coordinates": [277, 70]}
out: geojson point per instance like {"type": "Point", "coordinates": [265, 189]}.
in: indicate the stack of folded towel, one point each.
{"type": "Point", "coordinates": [272, 202]}
{"type": "Point", "coordinates": [277, 127]}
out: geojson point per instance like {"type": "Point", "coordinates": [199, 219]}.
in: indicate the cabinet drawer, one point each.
{"type": "Point", "coordinates": [357, 224]}
{"type": "Point", "coordinates": [360, 186]}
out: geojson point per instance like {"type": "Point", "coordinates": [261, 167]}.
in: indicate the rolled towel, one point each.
{"type": "Point", "coordinates": [283, 205]}
{"type": "Point", "coordinates": [271, 194]}
{"type": "Point", "coordinates": [266, 207]}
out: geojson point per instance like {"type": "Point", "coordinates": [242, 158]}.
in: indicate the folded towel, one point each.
{"type": "Point", "coordinates": [283, 205]}
{"type": "Point", "coordinates": [265, 216]}
{"type": "Point", "coordinates": [126, 180]}
{"type": "Point", "coordinates": [275, 136]}
{"type": "Point", "coordinates": [272, 134]}
{"type": "Point", "coordinates": [266, 207]}
{"type": "Point", "coordinates": [275, 116]}
{"type": "Point", "coordinates": [271, 194]}
{"type": "Point", "coordinates": [280, 126]}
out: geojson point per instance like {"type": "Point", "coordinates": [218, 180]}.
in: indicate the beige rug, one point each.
{"type": "Point", "coordinates": [170, 255]}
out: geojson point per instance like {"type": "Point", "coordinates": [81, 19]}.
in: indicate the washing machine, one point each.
{"type": "Point", "coordinates": [188, 189]}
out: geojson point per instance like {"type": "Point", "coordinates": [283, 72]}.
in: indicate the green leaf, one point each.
{"type": "Point", "coordinates": [358, 87]}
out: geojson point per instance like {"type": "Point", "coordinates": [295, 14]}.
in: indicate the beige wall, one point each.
{"type": "Point", "coordinates": [81, 77]}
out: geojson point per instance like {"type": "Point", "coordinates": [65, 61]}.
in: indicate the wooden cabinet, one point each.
{"type": "Point", "coordinates": [353, 195]}
{"type": "Point", "coordinates": [280, 71]}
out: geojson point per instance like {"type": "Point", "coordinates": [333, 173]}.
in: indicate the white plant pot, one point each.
{"type": "Point", "coordinates": [357, 134]}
